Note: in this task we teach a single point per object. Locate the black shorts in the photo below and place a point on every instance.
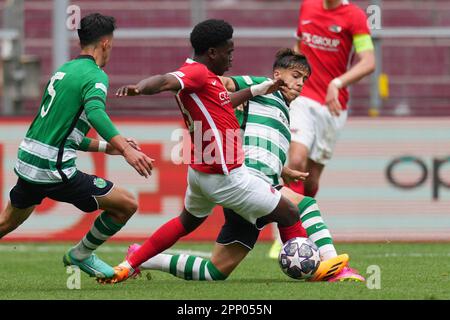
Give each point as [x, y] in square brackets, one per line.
[80, 190]
[238, 230]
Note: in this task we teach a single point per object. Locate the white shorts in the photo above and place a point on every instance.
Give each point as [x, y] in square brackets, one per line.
[313, 126]
[247, 195]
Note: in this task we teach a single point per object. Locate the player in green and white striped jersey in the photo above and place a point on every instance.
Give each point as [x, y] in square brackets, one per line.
[73, 102]
[266, 139]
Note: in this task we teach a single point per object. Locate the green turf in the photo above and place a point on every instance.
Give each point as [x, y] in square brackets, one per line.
[408, 271]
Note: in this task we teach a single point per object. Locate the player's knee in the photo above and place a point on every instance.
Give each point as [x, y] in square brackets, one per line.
[131, 205]
[311, 188]
[127, 207]
[286, 214]
[292, 215]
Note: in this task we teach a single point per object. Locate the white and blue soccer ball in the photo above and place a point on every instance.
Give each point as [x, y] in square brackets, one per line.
[299, 258]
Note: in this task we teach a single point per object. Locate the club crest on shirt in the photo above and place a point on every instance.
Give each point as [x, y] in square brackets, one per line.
[100, 183]
[335, 28]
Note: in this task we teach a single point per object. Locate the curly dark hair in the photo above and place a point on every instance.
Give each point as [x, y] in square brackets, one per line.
[95, 26]
[287, 59]
[210, 33]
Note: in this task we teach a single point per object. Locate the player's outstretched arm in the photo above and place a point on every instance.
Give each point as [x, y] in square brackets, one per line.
[228, 83]
[94, 145]
[151, 85]
[138, 160]
[269, 86]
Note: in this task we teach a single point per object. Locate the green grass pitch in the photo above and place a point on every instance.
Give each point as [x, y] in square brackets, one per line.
[408, 271]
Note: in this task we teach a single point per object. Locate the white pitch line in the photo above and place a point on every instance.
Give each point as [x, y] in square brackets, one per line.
[104, 249]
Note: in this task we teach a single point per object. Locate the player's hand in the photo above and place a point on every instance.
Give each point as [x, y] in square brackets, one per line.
[133, 142]
[138, 160]
[266, 87]
[114, 152]
[291, 93]
[129, 90]
[332, 100]
[289, 175]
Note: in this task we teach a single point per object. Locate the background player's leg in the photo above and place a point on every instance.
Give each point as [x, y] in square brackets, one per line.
[11, 218]
[311, 185]
[298, 160]
[119, 206]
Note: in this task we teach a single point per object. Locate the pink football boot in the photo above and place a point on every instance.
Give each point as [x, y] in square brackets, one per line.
[347, 274]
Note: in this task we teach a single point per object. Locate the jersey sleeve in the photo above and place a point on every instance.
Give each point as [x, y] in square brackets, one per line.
[95, 91]
[94, 102]
[243, 82]
[191, 77]
[359, 23]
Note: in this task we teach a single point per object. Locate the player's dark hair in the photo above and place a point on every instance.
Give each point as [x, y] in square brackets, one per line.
[210, 34]
[95, 26]
[288, 59]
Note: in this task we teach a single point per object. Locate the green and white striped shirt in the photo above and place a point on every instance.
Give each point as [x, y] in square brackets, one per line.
[265, 121]
[48, 152]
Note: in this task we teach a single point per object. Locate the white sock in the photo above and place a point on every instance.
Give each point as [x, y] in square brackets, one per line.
[159, 262]
[80, 251]
[327, 252]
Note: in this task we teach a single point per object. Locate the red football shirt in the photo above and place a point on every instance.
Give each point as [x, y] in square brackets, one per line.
[327, 41]
[216, 146]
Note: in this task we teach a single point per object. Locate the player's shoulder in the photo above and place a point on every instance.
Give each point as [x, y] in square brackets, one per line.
[194, 66]
[97, 75]
[247, 80]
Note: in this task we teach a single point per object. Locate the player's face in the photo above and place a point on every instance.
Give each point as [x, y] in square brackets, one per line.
[223, 57]
[294, 79]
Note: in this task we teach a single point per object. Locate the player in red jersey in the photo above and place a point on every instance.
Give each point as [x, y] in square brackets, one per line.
[328, 30]
[216, 175]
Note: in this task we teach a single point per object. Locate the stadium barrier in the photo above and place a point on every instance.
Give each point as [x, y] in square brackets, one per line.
[389, 180]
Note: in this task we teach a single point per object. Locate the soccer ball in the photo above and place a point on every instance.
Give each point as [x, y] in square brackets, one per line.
[299, 258]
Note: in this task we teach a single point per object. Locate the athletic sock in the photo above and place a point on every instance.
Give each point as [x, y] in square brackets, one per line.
[185, 267]
[102, 229]
[315, 227]
[160, 240]
[296, 230]
[298, 187]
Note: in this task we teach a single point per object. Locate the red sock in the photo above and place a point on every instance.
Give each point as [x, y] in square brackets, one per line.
[298, 187]
[161, 239]
[296, 230]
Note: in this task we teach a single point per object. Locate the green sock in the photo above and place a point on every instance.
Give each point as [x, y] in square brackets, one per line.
[103, 228]
[315, 227]
[185, 267]
[194, 268]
